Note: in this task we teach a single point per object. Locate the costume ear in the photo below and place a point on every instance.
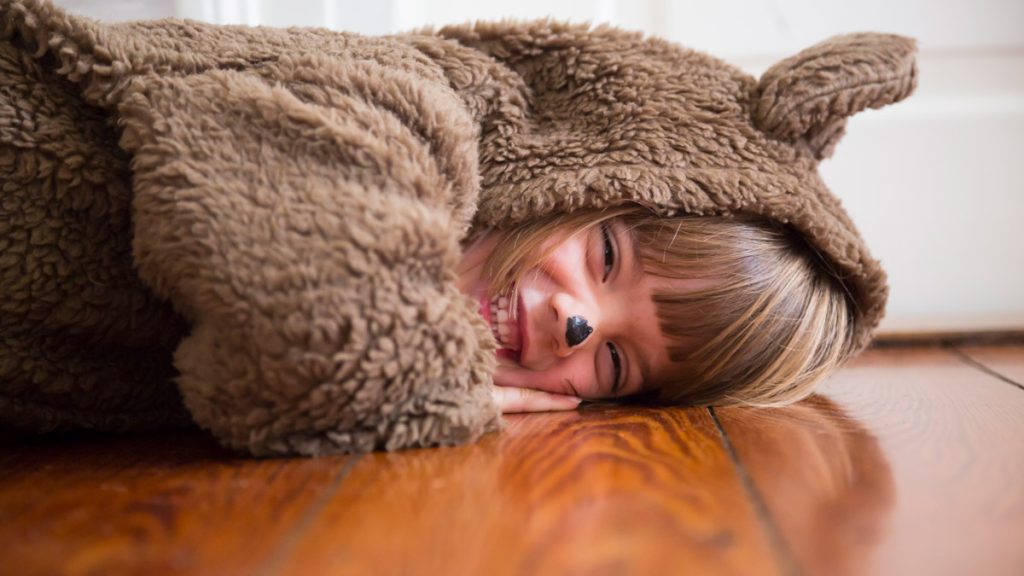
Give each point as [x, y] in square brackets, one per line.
[805, 99]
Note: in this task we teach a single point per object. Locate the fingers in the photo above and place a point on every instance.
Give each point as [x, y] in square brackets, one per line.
[511, 399]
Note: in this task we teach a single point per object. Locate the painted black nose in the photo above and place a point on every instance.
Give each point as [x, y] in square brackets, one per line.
[576, 330]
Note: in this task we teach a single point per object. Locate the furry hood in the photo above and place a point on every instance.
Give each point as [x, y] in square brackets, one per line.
[597, 116]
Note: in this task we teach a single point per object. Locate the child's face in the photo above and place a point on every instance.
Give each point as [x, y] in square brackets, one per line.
[593, 277]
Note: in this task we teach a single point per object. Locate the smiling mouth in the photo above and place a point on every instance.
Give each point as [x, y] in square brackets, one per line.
[504, 325]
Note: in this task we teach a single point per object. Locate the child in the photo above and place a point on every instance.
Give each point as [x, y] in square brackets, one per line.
[700, 310]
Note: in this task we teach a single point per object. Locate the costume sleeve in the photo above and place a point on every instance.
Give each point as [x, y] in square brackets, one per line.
[304, 216]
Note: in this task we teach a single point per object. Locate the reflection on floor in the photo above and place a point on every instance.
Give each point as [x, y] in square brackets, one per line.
[910, 461]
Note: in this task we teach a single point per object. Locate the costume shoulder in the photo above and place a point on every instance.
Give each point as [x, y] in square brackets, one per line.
[298, 196]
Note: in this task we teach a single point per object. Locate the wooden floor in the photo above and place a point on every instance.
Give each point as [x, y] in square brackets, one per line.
[911, 461]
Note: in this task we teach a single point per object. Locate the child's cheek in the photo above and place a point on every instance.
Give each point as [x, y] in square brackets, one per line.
[567, 377]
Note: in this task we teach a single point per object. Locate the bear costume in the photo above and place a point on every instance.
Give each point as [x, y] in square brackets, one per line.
[256, 229]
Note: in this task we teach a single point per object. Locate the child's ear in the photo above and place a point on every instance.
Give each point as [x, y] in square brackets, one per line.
[805, 99]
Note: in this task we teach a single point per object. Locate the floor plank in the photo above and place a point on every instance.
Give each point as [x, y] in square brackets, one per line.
[911, 462]
[1005, 361]
[167, 503]
[606, 490]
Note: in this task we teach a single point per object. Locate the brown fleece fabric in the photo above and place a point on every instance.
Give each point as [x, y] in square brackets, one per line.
[281, 209]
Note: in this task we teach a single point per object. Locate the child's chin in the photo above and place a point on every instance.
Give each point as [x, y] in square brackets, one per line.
[506, 366]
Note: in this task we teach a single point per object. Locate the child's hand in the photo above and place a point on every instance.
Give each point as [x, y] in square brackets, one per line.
[512, 399]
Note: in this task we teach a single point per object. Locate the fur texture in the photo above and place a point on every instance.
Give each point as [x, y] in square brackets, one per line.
[282, 209]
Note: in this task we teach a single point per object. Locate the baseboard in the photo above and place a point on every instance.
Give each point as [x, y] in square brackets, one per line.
[890, 339]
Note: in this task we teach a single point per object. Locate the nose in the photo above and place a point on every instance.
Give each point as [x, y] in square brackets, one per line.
[576, 330]
[576, 318]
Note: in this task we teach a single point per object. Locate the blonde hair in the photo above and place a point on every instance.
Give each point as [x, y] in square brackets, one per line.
[772, 321]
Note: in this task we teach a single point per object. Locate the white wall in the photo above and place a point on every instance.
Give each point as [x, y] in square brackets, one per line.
[936, 183]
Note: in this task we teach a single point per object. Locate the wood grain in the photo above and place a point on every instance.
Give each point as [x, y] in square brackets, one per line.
[168, 503]
[911, 463]
[606, 490]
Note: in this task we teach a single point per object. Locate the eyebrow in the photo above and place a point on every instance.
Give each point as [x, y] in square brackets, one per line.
[645, 370]
[638, 270]
[637, 273]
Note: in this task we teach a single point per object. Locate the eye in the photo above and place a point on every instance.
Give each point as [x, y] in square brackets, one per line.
[609, 251]
[617, 365]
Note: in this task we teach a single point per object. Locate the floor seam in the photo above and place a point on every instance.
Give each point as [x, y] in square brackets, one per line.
[965, 357]
[785, 558]
[275, 562]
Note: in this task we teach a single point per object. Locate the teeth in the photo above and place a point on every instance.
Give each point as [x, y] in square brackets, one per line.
[500, 318]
